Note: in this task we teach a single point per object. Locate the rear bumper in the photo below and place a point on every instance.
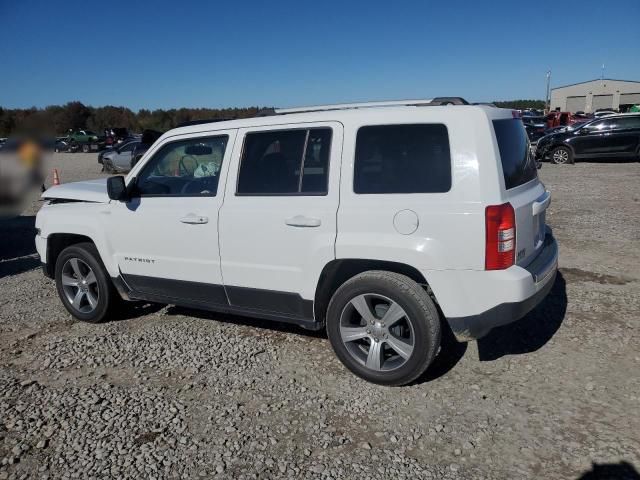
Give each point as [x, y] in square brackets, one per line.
[499, 297]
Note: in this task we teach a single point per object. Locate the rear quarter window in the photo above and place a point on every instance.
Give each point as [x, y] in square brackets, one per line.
[518, 165]
[413, 158]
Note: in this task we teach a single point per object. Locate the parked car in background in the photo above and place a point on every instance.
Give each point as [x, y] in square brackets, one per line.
[603, 113]
[535, 127]
[61, 144]
[562, 119]
[532, 112]
[116, 136]
[119, 158]
[614, 136]
[122, 158]
[84, 140]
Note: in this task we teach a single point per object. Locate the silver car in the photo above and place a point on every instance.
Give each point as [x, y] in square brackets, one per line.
[123, 157]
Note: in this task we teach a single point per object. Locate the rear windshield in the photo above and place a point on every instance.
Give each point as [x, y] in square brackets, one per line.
[518, 165]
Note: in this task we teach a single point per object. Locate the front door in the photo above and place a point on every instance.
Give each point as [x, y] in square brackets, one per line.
[278, 221]
[594, 139]
[165, 239]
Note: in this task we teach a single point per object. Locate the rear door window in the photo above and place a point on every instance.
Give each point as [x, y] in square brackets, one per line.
[626, 123]
[402, 159]
[518, 165]
[285, 162]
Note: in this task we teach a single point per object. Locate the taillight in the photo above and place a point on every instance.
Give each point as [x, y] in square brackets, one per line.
[500, 223]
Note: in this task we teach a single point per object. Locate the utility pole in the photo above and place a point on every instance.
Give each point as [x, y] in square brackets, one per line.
[548, 99]
[602, 73]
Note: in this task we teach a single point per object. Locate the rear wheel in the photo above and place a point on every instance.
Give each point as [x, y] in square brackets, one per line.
[83, 283]
[384, 327]
[561, 156]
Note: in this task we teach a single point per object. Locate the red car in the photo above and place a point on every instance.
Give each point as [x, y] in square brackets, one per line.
[562, 119]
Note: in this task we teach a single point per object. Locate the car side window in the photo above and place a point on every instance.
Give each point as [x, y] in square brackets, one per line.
[128, 147]
[412, 158]
[601, 125]
[183, 168]
[628, 123]
[285, 162]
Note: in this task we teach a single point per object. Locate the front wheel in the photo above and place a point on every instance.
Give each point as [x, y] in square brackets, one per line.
[86, 148]
[83, 284]
[383, 327]
[561, 156]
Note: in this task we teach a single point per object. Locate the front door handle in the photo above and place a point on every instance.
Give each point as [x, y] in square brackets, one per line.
[302, 221]
[194, 219]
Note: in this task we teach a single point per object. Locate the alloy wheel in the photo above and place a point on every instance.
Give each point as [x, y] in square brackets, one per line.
[80, 285]
[377, 332]
[561, 156]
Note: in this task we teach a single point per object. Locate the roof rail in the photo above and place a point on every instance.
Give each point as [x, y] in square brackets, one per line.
[387, 103]
[189, 123]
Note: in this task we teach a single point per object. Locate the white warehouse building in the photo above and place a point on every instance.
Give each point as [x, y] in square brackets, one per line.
[596, 94]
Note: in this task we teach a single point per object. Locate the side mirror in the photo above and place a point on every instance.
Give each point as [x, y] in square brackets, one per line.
[116, 189]
[583, 131]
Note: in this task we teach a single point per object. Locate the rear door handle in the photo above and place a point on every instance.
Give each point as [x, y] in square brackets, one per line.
[302, 221]
[194, 219]
[541, 203]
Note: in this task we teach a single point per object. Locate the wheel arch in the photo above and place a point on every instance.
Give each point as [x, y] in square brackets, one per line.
[338, 271]
[56, 243]
[566, 145]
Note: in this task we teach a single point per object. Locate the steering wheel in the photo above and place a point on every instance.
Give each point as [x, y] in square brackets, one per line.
[203, 186]
[182, 167]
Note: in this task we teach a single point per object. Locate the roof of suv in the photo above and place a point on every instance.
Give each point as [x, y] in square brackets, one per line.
[335, 112]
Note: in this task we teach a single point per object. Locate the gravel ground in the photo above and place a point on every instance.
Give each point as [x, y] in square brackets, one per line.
[168, 392]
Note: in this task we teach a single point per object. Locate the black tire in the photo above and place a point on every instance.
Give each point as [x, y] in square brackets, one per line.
[561, 156]
[421, 314]
[107, 297]
[86, 148]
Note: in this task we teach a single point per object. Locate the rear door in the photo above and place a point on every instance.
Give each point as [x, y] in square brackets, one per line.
[524, 191]
[595, 138]
[278, 221]
[626, 135]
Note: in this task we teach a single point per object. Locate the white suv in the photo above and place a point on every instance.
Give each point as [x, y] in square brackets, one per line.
[375, 221]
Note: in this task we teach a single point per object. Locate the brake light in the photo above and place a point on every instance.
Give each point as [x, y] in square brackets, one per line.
[500, 224]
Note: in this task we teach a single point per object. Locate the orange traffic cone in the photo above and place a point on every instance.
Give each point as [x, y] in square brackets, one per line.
[56, 177]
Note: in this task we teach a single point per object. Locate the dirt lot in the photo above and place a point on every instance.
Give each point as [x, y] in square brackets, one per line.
[169, 392]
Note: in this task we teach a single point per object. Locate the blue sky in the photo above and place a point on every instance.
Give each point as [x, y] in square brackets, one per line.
[167, 54]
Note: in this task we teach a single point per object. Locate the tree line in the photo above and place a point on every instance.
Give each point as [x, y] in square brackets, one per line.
[521, 104]
[59, 119]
